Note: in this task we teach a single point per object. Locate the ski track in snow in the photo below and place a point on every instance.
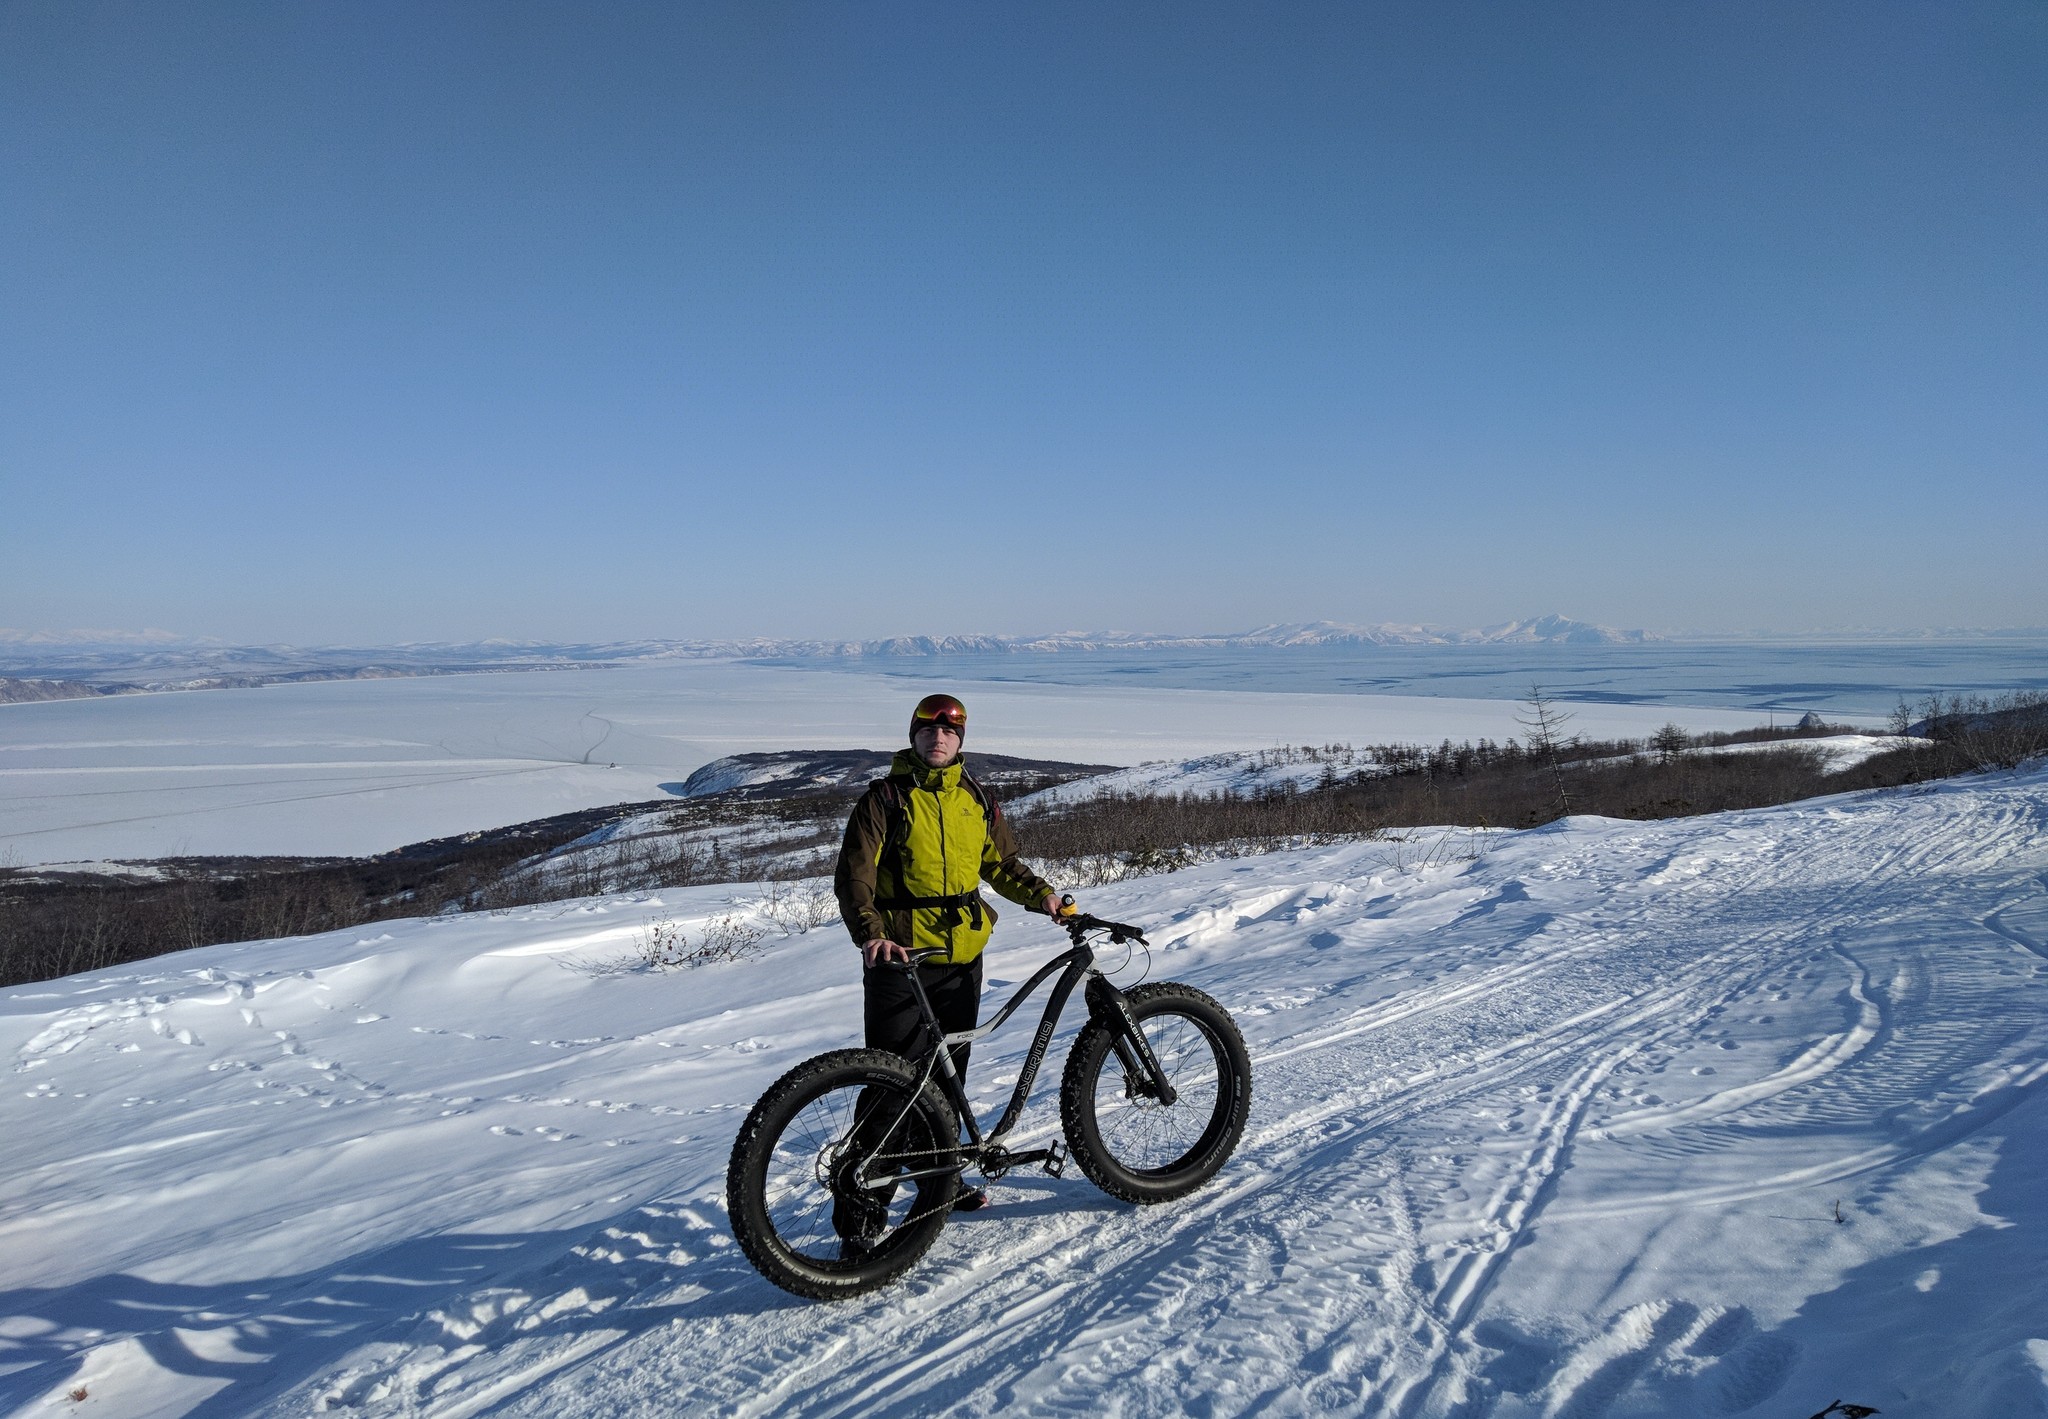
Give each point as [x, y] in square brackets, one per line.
[1470, 1082]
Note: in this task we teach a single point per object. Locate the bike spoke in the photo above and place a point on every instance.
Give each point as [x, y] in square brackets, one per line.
[1143, 1134]
[819, 1140]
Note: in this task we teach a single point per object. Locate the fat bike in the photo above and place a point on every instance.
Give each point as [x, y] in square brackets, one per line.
[847, 1168]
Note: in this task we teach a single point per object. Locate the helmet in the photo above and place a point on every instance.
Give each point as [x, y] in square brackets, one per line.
[939, 709]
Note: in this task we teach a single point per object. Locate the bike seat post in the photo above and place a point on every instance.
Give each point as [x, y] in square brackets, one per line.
[930, 1017]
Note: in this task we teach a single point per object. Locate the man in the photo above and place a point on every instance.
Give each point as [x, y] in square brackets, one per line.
[918, 847]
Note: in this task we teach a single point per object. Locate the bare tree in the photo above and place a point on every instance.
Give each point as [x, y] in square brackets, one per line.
[1545, 723]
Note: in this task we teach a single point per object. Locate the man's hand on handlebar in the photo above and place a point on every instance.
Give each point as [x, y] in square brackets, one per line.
[882, 949]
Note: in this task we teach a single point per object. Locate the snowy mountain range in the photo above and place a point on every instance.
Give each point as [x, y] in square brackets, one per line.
[1552, 629]
[101, 662]
[39, 665]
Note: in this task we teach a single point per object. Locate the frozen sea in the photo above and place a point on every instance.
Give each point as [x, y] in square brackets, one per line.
[1854, 680]
[349, 767]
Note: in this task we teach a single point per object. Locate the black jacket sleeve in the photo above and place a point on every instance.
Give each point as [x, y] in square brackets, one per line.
[853, 879]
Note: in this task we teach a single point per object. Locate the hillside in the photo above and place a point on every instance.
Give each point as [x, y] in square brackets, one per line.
[1733, 1114]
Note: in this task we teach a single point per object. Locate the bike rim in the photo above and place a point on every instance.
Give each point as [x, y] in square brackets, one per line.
[807, 1192]
[1145, 1136]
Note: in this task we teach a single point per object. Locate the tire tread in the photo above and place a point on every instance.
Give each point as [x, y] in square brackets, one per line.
[1085, 1060]
[750, 1226]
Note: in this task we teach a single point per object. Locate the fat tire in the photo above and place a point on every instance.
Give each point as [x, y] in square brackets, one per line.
[1094, 1052]
[797, 1263]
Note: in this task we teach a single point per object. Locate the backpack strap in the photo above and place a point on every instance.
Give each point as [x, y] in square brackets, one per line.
[894, 792]
[896, 807]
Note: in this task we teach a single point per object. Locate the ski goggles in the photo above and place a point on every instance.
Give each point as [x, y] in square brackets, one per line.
[942, 711]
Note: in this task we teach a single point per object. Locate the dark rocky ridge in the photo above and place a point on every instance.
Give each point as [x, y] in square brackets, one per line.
[811, 773]
[29, 692]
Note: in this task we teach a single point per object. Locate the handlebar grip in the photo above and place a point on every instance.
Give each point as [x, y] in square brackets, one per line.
[918, 956]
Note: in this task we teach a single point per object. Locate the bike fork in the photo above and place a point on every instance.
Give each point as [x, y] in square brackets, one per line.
[1109, 1005]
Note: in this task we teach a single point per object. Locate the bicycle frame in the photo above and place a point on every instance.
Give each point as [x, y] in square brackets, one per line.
[1106, 1004]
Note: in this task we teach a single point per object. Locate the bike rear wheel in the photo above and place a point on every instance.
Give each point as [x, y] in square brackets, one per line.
[817, 1187]
[1128, 1143]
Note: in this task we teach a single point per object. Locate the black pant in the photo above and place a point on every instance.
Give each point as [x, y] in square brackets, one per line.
[889, 1010]
[890, 1015]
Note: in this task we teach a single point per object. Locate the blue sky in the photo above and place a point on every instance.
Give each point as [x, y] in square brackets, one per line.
[366, 322]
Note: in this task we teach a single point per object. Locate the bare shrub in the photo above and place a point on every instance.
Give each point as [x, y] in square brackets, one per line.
[725, 938]
[1102, 869]
[650, 862]
[1110, 837]
[1106, 838]
[799, 905]
[1089, 870]
[1420, 851]
[663, 945]
[1990, 731]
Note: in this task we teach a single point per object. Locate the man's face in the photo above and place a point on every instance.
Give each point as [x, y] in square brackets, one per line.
[937, 744]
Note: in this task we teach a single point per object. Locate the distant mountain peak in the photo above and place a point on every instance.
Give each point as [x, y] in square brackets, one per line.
[1552, 627]
[165, 661]
[12, 636]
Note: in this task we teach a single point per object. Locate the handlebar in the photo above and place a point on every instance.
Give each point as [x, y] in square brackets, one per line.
[1077, 925]
[1080, 924]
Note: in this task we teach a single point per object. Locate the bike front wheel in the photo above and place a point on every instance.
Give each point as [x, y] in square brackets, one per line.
[842, 1174]
[1130, 1144]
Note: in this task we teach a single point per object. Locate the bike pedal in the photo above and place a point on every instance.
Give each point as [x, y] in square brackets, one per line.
[1055, 1160]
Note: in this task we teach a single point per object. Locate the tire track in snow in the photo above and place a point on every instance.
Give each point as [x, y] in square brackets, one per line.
[2026, 940]
[1453, 1306]
[1868, 1033]
[1820, 1059]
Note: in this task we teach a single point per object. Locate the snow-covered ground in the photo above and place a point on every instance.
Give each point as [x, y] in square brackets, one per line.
[1842, 751]
[1737, 1114]
[362, 766]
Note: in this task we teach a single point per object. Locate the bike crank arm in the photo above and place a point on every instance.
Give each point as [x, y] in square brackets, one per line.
[997, 1160]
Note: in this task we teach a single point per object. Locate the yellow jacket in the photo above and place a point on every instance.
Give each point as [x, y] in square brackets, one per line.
[918, 846]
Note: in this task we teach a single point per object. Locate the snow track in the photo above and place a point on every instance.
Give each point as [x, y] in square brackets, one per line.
[1617, 1119]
